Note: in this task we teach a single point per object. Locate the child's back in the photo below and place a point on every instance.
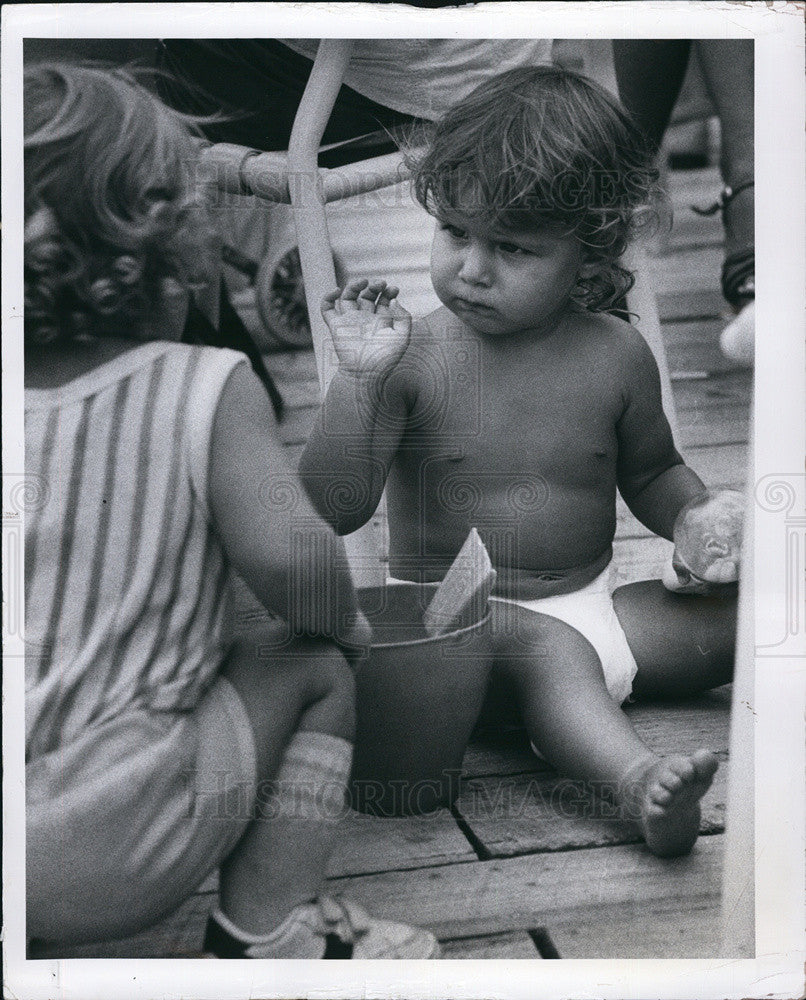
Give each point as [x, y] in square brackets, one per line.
[125, 580]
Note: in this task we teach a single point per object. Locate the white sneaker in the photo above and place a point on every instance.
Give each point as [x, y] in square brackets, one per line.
[329, 927]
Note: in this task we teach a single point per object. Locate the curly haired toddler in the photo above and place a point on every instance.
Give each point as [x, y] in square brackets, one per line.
[520, 407]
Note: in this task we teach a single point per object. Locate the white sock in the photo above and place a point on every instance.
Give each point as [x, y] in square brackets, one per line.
[312, 780]
[305, 799]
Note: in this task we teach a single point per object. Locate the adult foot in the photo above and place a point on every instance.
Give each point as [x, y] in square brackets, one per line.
[664, 795]
[738, 339]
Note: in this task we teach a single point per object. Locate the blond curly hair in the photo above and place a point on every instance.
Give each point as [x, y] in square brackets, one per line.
[112, 209]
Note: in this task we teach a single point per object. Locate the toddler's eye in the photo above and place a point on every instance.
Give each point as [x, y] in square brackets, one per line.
[512, 248]
[454, 231]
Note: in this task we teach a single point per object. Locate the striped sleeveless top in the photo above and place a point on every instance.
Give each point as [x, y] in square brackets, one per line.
[125, 579]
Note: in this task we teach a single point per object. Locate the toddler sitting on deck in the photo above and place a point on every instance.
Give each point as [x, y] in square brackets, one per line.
[158, 748]
[520, 407]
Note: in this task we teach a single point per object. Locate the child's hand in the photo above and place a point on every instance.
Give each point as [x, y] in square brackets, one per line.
[707, 543]
[370, 330]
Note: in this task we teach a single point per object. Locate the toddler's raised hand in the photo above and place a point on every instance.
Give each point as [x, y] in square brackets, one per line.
[707, 543]
[370, 330]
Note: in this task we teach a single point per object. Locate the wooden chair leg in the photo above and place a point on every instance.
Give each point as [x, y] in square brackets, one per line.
[316, 259]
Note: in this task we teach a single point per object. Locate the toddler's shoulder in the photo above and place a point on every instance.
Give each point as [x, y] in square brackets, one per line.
[621, 341]
[435, 327]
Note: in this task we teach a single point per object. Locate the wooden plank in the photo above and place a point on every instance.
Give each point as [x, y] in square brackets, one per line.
[296, 425]
[694, 346]
[730, 388]
[691, 303]
[722, 465]
[299, 393]
[686, 725]
[669, 727]
[698, 185]
[367, 844]
[692, 231]
[675, 931]
[717, 465]
[293, 452]
[640, 558]
[525, 814]
[622, 886]
[515, 945]
[501, 753]
[687, 270]
[699, 427]
[291, 365]
[487, 897]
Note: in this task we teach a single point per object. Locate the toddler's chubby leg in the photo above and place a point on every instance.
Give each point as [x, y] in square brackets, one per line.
[683, 643]
[559, 684]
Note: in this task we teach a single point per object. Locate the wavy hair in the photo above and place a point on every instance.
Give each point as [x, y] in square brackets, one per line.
[112, 215]
[543, 146]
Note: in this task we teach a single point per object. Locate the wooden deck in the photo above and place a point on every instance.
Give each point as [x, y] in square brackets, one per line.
[526, 865]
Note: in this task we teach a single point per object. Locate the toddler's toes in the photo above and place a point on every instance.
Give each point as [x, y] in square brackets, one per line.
[670, 811]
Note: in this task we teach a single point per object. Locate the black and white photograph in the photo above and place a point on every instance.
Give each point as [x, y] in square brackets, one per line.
[403, 524]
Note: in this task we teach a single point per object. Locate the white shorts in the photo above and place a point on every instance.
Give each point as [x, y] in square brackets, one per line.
[124, 823]
[590, 611]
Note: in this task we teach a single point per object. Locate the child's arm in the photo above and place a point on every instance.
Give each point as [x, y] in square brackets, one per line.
[357, 433]
[665, 494]
[289, 557]
[652, 476]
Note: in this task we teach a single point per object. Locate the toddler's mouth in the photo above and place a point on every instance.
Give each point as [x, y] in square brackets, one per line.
[471, 306]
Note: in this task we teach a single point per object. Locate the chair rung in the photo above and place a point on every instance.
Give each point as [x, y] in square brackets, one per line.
[240, 170]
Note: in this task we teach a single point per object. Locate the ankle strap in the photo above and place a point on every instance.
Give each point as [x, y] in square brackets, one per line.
[726, 196]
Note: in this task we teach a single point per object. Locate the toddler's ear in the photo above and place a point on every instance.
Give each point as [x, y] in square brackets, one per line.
[587, 269]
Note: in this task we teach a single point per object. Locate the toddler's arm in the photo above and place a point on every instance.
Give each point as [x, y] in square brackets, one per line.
[666, 495]
[289, 557]
[347, 457]
[652, 476]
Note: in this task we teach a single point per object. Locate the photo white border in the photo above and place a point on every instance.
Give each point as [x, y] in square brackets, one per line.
[780, 694]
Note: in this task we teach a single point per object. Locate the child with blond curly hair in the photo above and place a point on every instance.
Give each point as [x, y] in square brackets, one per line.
[158, 745]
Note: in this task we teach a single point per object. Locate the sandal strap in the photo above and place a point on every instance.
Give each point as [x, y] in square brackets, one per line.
[738, 276]
[726, 196]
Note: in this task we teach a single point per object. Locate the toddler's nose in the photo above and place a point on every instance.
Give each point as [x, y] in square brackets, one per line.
[475, 267]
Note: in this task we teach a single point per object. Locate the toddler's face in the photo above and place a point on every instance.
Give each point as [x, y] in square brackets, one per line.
[504, 282]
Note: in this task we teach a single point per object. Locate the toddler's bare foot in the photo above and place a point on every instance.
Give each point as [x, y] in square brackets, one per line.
[664, 795]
